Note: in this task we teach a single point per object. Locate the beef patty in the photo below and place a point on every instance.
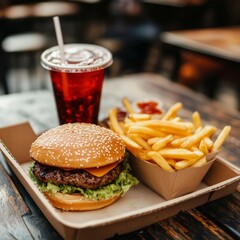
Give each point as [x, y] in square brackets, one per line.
[76, 177]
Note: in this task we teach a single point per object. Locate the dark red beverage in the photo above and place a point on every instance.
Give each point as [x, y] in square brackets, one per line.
[77, 95]
[77, 82]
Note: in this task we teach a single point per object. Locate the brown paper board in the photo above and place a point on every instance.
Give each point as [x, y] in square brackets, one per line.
[138, 208]
[18, 138]
[169, 184]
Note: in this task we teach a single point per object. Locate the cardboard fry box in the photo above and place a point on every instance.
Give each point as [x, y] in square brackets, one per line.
[138, 208]
[170, 184]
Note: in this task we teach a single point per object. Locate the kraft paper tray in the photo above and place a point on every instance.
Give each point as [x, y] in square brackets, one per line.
[138, 208]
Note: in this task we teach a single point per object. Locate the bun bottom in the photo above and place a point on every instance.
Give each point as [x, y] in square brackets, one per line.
[76, 202]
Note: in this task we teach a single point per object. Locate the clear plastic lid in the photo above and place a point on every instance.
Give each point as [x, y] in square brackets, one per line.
[79, 58]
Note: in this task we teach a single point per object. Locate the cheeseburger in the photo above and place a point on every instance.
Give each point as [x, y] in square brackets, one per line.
[80, 166]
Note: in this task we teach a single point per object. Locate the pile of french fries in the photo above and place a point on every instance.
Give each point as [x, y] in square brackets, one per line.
[171, 142]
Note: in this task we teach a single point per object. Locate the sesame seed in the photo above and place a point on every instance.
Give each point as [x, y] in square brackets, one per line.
[81, 142]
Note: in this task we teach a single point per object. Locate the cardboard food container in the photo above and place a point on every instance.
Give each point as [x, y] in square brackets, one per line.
[170, 184]
[138, 208]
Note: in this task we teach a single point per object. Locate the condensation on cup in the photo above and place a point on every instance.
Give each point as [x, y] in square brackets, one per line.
[77, 83]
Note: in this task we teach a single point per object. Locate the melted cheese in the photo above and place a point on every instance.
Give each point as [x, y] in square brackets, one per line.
[101, 171]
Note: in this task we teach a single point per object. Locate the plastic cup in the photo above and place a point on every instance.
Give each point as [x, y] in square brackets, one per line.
[77, 83]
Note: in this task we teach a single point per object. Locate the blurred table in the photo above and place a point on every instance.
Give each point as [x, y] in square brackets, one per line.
[21, 218]
[175, 3]
[219, 44]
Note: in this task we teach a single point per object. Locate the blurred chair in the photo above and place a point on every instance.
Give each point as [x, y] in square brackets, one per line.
[130, 35]
[23, 32]
[197, 70]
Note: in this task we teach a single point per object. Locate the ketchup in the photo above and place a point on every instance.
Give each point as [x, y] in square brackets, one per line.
[149, 107]
[121, 114]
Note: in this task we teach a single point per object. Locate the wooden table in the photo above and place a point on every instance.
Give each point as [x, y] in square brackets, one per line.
[221, 44]
[175, 3]
[21, 218]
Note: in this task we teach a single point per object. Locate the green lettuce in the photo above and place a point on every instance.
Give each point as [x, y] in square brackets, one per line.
[119, 186]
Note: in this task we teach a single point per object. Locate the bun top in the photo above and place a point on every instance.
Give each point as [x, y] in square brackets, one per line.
[78, 145]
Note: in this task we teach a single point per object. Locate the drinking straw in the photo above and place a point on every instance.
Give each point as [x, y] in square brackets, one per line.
[59, 37]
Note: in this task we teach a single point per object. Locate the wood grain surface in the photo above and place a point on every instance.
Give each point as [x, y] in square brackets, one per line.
[217, 42]
[20, 217]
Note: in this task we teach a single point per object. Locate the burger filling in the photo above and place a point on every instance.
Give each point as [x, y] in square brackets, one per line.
[77, 178]
[52, 179]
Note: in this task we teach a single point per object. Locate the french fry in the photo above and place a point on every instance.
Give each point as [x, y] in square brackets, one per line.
[130, 143]
[196, 120]
[203, 147]
[190, 126]
[145, 130]
[196, 138]
[172, 142]
[139, 116]
[180, 153]
[189, 162]
[208, 142]
[127, 105]
[139, 153]
[198, 129]
[160, 161]
[127, 121]
[141, 142]
[122, 125]
[176, 119]
[185, 163]
[221, 138]
[143, 136]
[171, 162]
[165, 126]
[194, 148]
[178, 141]
[162, 142]
[153, 140]
[172, 112]
[202, 161]
[114, 122]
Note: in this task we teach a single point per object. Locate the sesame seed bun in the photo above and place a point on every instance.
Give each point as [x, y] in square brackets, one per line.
[76, 202]
[78, 146]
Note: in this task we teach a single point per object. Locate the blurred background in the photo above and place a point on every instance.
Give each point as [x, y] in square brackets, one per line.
[131, 29]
